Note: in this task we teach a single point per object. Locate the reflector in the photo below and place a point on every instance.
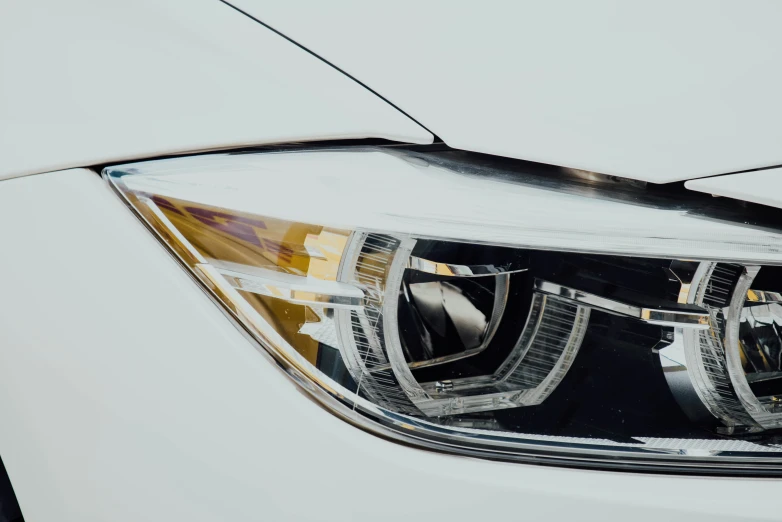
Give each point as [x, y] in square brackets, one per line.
[511, 317]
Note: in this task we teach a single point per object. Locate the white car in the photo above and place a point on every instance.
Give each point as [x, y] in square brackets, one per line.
[392, 261]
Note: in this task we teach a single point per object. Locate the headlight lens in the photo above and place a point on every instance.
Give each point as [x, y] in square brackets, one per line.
[469, 307]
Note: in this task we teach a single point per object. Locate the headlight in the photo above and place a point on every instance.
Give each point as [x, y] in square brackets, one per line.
[476, 308]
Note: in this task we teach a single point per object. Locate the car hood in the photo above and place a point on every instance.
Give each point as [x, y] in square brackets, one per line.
[655, 91]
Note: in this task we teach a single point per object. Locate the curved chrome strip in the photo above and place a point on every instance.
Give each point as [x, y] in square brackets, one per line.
[661, 316]
[293, 288]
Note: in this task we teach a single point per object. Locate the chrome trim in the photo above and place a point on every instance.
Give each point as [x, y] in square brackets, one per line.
[293, 288]
[660, 316]
[507, 447]
[452, 270]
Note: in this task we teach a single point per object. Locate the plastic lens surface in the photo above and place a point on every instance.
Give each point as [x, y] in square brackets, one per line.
[519, 320]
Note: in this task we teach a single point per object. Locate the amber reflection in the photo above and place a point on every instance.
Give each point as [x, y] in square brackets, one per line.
[296, 248]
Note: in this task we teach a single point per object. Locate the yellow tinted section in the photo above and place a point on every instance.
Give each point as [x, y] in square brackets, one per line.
[257, 242]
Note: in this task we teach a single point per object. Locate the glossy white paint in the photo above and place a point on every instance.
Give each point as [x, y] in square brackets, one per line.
[657, 91]
[126, 395]
[85, 82]
[760, 186]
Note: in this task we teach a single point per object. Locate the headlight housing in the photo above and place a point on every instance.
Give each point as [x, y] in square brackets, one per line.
[481, 307]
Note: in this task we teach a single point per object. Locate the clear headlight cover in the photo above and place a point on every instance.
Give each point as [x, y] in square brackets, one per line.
[492, 308]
